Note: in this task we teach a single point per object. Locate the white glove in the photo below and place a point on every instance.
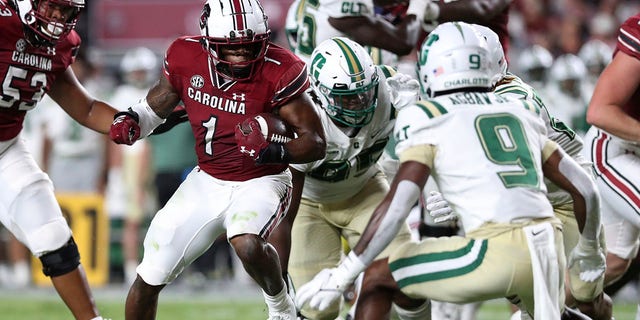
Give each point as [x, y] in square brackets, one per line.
[404, 90]
[586, 269]
[427, 12]
[438, 208]
[329, 284]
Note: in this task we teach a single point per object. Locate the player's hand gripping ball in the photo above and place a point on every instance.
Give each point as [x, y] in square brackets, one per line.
[262, 138]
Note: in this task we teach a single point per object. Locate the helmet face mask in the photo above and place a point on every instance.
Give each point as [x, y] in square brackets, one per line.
[346, 80]
[235, 35]
[353, 108]
[47, 21]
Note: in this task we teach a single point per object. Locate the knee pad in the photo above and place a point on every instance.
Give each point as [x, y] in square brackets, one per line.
[61, 261]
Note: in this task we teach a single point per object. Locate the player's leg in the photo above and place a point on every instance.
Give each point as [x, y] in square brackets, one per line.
[32, 214]
[178, 234]
[380, 289]
[594, 303]
[491, 262]
[617, 169]
[315, 245]
[49, 238]
[256, 208]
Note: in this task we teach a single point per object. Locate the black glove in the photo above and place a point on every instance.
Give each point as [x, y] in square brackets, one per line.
[178, 116]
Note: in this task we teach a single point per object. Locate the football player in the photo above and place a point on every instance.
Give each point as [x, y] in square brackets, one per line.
[591, 298]
[38, 43]
[613, 145]
[224, 77]
[489, 154]
[588, 297]
[357, 20]
[339, 193]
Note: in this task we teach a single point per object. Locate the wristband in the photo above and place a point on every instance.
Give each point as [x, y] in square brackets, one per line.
[129, 113]
[148, 119]
[274, 153]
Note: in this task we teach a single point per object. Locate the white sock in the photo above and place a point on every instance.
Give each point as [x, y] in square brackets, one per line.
[277, 302]
[423, 312]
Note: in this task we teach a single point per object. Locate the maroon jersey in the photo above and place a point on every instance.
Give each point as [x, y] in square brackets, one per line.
[26, 72]
[629, 43]
[215, 105]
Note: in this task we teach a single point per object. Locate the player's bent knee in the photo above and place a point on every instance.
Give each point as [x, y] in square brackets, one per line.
[48, 237]
[61, 261]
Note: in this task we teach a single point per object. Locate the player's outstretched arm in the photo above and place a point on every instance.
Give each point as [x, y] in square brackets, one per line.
[144, 116]
[471, 11]
[69, 93]
[569, 175]
[377, 32]
[586, 261]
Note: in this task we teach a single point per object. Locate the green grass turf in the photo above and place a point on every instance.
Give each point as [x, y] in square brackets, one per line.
[38, 307]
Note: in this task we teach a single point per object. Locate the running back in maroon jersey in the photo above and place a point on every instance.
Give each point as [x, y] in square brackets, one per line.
[215, 105]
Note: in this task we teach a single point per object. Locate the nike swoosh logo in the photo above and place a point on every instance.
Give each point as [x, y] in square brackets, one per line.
[538, 232]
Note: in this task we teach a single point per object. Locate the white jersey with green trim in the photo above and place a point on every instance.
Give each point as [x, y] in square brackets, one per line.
[487, 158]
[314, 26]
[559, 132]
[350, 162]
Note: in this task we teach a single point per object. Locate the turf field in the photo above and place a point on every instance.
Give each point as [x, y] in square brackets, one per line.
[224, 303]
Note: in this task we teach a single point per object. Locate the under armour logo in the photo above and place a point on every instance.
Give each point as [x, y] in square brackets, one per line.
[240, 96]
[251, 152]
[51, 51]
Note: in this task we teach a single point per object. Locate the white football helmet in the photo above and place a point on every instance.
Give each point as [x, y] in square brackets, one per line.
[46, 21]
[496, 52]
[568, 71]
[568, 67]
[138, 66]
[596, 55]
[346, 80]
[454, 56]
[534, 63]
[235, 24]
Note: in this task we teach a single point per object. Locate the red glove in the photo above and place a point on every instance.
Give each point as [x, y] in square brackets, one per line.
[125, 128]
[250, 140]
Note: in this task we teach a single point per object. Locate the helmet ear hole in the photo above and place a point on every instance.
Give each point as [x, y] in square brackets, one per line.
[345, 79]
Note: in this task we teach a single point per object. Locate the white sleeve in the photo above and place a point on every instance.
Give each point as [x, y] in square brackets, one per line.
[406, 195]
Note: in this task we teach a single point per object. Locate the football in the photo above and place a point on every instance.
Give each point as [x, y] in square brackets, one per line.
[274, 129]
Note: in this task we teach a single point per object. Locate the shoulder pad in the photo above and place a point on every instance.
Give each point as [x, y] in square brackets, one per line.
[432, 108]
